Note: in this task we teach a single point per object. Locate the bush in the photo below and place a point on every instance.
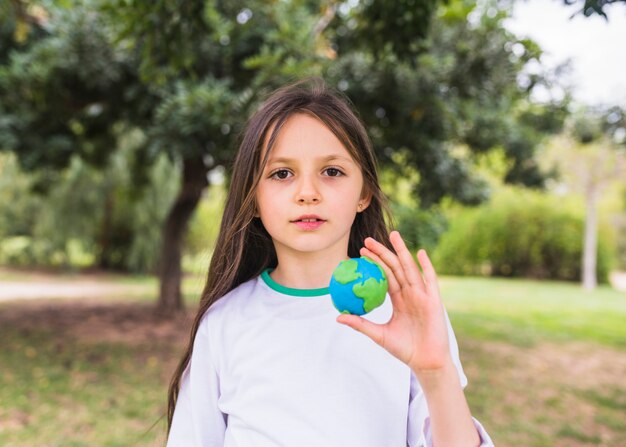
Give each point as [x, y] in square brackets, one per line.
[419, 228]
[87, 217]
[18, 206]
[205, 223]
[519, 234]
[16, 251]
[25, 251]
[620, 241]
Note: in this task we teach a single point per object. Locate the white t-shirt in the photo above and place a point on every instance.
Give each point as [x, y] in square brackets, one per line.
[271, 367]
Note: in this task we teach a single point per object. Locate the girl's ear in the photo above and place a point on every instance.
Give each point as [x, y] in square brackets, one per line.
[364, 202]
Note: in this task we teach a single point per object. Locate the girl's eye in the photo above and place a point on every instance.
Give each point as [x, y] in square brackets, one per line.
[333, 172]
[281, 174]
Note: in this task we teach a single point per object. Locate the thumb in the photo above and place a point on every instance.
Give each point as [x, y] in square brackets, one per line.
[366, 327]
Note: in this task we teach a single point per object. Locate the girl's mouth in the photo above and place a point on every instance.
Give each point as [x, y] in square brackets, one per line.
[309, 224]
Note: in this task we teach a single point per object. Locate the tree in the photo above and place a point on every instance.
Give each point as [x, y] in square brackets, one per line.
[211, 61]
[590, 155]
[66, 91]
[78, 89]
[460, 88]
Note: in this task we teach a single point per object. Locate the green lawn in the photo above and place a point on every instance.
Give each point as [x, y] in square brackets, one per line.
[55, 391]
[524, 312]
[546, 363]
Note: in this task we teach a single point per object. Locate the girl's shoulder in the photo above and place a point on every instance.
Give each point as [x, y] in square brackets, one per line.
[231, 301]
[224, 320]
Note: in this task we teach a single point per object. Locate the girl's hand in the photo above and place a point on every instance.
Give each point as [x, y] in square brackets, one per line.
[417, 332]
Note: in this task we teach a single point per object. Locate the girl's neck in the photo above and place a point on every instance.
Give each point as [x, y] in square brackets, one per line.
[309, 272]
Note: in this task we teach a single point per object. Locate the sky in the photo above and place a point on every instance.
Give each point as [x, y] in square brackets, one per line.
[597, 47]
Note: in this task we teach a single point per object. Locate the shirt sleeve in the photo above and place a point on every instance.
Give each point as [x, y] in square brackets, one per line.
[418, 429]
[197, 420]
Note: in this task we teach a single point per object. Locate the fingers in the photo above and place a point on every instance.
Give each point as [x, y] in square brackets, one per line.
[394, 287]
[374, 331]
[402, 265]
[391, 279]
[432, 286]
[388, 257]
[411, 269]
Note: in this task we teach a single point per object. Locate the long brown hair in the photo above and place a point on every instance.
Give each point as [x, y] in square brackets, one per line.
[245, 247]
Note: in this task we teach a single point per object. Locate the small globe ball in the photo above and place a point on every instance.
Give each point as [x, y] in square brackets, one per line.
[358, 286]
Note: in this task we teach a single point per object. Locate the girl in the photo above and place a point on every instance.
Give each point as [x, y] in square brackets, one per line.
[267, 364]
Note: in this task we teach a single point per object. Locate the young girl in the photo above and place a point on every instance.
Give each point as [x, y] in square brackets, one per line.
[270, 361]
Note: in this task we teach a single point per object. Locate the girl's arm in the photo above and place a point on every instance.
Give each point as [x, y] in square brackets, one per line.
[417, 334]
[197, 421]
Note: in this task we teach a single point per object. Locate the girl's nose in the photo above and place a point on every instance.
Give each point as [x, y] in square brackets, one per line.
[308, 193]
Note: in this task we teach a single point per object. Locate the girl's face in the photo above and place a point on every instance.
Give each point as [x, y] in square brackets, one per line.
[309, 175]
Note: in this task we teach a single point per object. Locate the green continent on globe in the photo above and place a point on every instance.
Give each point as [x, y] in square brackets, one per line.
[346, 272]
[372, 292]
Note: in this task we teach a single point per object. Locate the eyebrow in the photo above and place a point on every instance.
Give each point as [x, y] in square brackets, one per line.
[323, 159]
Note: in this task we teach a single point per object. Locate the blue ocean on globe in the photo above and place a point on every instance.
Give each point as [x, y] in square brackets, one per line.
[358, 286]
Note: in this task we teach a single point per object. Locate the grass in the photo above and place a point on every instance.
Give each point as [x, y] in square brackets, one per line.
[545, 362]
[58, 391]
[524, 312]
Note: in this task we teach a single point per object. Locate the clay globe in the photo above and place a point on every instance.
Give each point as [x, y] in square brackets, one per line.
[358, 286]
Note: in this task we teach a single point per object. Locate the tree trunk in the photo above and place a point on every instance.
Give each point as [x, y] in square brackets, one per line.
[194, 181]
[105, 230]
[590, 247]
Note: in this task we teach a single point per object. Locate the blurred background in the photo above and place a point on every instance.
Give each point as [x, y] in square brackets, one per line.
[500, 129]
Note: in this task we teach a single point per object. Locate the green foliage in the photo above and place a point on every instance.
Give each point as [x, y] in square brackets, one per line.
[195, 117]
[25, 251]
[205, 223]
[590, 124]
[418, 88]
[463, 90]
[147, 215]
[89, 217]
[519, 234]
[18, 207]
[205, 64]
[383, 27]
[16, 251]
[419, 228]
[65, 91]
[620, 239]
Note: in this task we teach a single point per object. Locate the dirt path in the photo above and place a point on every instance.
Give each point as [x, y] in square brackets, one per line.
[35, 285]
[21, 285]
[79, 289]
[94, 320]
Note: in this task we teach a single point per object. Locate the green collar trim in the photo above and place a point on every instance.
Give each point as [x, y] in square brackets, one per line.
[289, 290]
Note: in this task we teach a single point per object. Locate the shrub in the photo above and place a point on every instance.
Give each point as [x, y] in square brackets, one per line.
[87, 217]
[520, 234]
[25, 251]
[419, 228]
[205, 223]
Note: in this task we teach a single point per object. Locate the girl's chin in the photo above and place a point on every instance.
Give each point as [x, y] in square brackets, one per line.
[309, 249]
